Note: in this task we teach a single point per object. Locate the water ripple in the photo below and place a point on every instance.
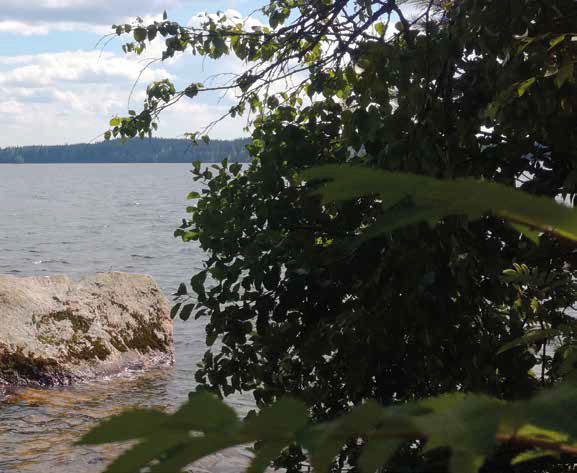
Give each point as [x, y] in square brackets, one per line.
[80, 219]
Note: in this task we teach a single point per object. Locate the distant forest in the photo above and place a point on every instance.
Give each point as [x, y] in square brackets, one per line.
[154, 150]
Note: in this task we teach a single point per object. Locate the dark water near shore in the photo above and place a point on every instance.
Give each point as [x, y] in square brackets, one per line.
[78, 219]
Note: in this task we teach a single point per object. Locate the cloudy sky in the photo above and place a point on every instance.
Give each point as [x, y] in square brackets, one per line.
[56, 87]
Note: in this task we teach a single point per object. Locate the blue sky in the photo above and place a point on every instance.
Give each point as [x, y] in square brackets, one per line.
[56, 88]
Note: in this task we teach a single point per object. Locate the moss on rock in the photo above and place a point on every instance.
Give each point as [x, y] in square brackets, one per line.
[117, 343]
[15, 366]
[145, 336]
[142, 336]
[91, 350]
[71, 331]
[79, 323]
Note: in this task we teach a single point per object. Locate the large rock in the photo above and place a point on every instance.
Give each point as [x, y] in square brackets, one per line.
[56, 331]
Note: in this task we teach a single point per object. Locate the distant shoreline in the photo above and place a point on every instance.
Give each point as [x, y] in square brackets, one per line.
[148, 151]
[122, 162]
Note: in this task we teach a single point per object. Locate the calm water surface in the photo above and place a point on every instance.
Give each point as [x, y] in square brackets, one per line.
[79, 219]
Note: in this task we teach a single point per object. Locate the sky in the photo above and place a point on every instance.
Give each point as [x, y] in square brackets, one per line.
[58, 87]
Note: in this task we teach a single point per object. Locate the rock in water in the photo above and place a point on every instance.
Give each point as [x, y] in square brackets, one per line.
[56, 331]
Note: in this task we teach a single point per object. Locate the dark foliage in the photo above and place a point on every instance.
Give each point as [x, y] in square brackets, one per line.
[294, 304]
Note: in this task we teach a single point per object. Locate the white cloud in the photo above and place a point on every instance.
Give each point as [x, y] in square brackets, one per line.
[40, 17]
[188, 116]
[228, 17]
[85, 67]
[73, 117]
[85, 11]
[69, 97]
[43, 27]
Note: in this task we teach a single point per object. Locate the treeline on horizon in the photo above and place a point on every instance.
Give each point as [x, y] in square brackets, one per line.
[153, 150]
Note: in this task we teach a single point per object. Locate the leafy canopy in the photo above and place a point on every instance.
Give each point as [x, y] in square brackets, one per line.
[443, 111]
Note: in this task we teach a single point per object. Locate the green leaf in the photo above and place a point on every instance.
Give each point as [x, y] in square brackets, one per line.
[325, 444]
[530, 455]
[412, 198]
[282, 420]
[181, 291]
[175, 310]
[210, 339]
[265, 455]
[192, 450]
[140, 34]
[442, 403]
[564, 74]
[151, 31]
[191, 91]
[466, 424]
[193, 195]
[546, 415]
[527, 232]
[139, 456]
[532, 337]
[555, 41]
[378, 452]
[197, 282]
[205, 413]
[568, 359]
[532, 431]
[361, 418]
[525, 86]
[450, 425]
[235, 168]
[465, 462]
[129, 425]
[186, 312]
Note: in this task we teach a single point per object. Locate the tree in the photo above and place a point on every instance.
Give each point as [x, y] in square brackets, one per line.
[303, 304]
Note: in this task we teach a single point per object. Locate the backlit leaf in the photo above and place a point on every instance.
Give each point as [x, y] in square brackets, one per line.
[525, 86]
[530, 455]
[377, 453]
[412, 199]
[533, 337]
[129, 425]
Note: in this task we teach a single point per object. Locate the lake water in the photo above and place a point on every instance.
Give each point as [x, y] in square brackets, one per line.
[78, 219]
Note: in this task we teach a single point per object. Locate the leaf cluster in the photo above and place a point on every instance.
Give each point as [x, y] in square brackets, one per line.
[472, 427]
[443, 114]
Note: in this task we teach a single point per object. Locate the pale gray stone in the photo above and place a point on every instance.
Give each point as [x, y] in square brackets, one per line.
[54, 330]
